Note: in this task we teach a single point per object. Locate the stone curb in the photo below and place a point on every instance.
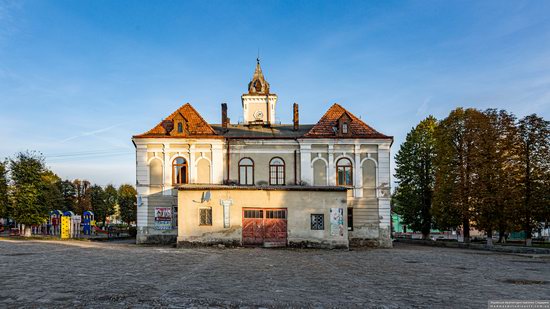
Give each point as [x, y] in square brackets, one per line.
[496, 248]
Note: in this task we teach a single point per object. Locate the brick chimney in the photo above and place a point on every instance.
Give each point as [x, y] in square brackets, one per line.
[296, 118]
[225, 120]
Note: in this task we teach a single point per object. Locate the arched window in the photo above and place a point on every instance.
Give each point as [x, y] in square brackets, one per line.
[277, 171]
[180, 127]
[179, 171]
[246, 171]
[344, 175]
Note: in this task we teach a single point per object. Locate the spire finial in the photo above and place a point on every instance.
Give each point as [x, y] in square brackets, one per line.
[258, 58]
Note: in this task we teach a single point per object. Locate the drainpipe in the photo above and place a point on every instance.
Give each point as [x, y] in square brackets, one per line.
[295, 167]
[227, 162]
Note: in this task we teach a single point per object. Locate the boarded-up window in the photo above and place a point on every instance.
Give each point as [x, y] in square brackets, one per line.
[319, 173]
[369, 178]
[155, 172]
[203, 171]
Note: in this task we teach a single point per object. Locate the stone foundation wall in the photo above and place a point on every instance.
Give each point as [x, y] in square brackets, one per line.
[375, 238]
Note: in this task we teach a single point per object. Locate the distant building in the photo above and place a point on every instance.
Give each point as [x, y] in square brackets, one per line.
[263, 183]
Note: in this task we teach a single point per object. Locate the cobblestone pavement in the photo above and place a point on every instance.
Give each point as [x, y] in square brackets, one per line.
[66, 274]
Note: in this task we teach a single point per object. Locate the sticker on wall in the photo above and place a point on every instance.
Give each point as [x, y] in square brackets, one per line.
[163, 218]
[337, 221]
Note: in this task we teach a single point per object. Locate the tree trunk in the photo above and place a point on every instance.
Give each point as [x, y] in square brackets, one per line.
[466, 230]
[27, 231]
[501, 236]
[490, 238]
[425, 236]
[528, 238]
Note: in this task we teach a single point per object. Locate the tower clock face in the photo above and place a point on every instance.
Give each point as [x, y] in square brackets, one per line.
[258, 115]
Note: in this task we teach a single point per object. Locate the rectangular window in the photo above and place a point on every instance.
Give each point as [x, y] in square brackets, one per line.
[350, 219]
[277, 175]
[344, 176]
[205, 216]
[245, 175]
[345, 128]
[254, 214]
[317, 222]
[275, 214]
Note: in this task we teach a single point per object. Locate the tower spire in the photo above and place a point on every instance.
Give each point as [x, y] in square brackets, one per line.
[258, 84]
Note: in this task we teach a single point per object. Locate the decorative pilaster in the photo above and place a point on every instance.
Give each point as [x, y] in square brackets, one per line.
[357, 173]
[217, 164]
[305, 164]
[167, 170]
[331, 170]
[192, 165]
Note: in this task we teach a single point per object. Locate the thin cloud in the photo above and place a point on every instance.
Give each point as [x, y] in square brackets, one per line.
[91, 133]
[423, 108]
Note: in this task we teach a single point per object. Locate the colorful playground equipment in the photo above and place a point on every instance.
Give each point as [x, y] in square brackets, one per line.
[87, 222]
[67, 224]
[74, 224]
[54, 224]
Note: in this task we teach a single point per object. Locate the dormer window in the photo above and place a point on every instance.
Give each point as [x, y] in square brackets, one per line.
[343, 128]
[180, 127]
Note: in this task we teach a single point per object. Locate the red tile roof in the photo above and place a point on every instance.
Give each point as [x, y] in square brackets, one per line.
[359, 129]
[197, 126]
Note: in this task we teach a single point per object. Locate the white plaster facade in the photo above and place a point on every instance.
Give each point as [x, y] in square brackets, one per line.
[309, 161]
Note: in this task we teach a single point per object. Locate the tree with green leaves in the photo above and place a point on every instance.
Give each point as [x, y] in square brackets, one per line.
[493, 177]
[27, 171]
[127, 203]
[111, 199]
[415, 175]
[534, 166]
[454, 186]
[98, 200]
[68, 191]
[4, 201]
[82, 197]
[50, 191]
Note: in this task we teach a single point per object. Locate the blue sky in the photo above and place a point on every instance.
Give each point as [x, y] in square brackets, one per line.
[79, 78]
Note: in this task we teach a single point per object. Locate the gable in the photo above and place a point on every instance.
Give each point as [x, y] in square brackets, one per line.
[330, 125]
[184, 122]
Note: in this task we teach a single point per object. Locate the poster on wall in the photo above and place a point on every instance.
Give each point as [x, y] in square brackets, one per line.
[337, 221]
[163, 218]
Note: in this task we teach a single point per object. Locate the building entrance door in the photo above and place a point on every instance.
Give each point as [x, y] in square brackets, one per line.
[267, 227]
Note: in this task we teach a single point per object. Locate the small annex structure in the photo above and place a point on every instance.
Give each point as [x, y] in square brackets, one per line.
[262, 183]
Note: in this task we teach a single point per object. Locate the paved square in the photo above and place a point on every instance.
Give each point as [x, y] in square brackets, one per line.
[66, 274]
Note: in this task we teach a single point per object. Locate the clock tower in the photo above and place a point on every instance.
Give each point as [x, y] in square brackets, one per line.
[259, 103]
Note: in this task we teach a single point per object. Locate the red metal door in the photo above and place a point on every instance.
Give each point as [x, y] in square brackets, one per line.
[266, 227]
[253, 227]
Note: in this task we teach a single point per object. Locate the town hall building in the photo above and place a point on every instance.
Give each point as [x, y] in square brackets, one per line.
[262, 183]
